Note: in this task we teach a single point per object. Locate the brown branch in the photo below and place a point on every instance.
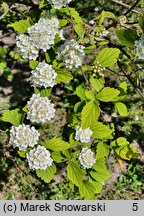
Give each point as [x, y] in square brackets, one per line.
[131, 8]
[124, 5]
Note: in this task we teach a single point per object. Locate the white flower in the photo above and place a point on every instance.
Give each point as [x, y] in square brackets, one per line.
[86, 158]
[43, 75]
[40, 109]
[43, 33]
[59, 3]
[83, 135]
[23, 136]
[39, 158]
[71, 53]
[26, 47]
[139, 45]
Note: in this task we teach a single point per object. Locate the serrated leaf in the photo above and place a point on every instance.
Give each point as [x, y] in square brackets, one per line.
[100, 131]
[57, 157]
[75, 173]
[107, 57]
[90, 95]
[63, 76]
[121, 108]
[56, 144]
[21, 26]
[107, 94]
[80, 92]
[97, 83]
[101, 173]
[87, 190]
[12, 116]
[90, 114]
[79, 30]
[98, 186]
[33, 64]
[102, 150]
[127, 37]
[75, 15]
[124, 149]
[48, 174]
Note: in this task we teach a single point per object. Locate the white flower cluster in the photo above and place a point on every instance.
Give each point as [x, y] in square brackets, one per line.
[86, 158]
[40, 109]
[39, 158]
[140, 47]
[71, 53]
[83, 135]
[43, 75]
[23, 136]
[59, 3]
[41, 35]
[26, 47]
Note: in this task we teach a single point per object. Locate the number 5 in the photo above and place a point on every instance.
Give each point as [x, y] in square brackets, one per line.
[135, 206]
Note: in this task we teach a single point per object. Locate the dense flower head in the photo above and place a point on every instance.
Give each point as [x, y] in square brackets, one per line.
[43, 75]
[26, 47]
[86, 158]
[40, 109]
[39, 158]
[44, 31]
[59, 3]
[83, 135]
[23, 136]
[71, 53]
[139, 45]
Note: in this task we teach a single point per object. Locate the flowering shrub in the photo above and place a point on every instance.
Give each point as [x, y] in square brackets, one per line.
[59, 47]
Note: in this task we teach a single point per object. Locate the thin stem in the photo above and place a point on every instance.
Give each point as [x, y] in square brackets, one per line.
[124, 5]
[131, 8]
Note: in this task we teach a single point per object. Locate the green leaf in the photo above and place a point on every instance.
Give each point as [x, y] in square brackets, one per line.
[124, 149]
[79, 106]
[107, 94]
[75, 15]
[100, 131]
[121, 108]
[48, 174]
[80, 92]
[102, 150]
[56, 144]
[107, 57]
[43, 92]
[90, 95]
[43, 3]
[57, 157]
[123, 86]
[63, 75]
[22, 154]
[105, 14]
[12, 116]
[97, 83]
[98, 186]
[79, 29]
[90, 114]
[33, 64]
[87, 190]
[21, 26]
[101, 173]
[75, 173]
[63, 22]
[2, 65]
[127, 37]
